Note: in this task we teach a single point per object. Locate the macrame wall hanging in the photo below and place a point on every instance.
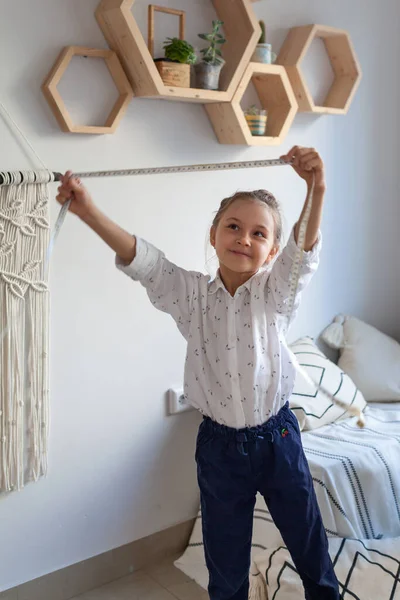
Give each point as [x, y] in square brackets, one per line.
[24, 314]
[24, 319]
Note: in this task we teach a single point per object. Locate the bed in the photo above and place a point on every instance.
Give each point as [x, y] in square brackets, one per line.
[356, 474]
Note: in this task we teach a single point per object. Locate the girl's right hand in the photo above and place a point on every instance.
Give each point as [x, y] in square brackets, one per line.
[72, 189]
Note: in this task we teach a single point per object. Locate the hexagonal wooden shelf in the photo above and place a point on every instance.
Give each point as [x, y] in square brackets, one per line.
[276, 96]
[57, 105]
[344, 63]
[122, 33]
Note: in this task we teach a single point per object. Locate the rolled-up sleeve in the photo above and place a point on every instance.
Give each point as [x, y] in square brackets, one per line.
[169, 287]
[279, 278]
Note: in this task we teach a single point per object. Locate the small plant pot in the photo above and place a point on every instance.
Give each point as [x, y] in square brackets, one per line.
[263, 54]
[257, 122]
[207, 76]
[173, 73]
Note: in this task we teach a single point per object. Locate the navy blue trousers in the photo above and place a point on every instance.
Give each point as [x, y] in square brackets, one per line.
[233, 465]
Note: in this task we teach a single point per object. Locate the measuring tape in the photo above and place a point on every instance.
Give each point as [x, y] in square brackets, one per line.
[293, 284]
[302, 231]
[250, 164]
[57, 228]
[301, 244]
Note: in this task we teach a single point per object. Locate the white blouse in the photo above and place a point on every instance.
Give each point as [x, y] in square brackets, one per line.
[238, 368]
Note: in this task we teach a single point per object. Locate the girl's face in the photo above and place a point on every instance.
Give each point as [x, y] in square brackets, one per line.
[244, 238]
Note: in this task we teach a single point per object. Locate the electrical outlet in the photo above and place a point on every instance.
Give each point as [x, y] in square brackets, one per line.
[176, 402]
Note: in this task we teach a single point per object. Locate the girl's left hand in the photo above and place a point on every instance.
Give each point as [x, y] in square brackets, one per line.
[306, 161]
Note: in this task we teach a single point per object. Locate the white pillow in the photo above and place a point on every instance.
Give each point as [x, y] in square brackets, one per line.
[312, 407]
[372, 360]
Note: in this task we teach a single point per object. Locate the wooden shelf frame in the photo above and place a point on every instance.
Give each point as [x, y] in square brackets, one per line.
[342, 56]
[242, 32]
[56, 103]
[153, 8]
[276, 96]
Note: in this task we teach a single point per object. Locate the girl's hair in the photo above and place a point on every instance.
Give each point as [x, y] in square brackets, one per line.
[256, 195]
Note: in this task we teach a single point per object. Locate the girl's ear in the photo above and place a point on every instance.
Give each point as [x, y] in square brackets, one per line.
[212, 236]
[272, 254]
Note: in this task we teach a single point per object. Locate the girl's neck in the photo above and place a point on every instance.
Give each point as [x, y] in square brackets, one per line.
[233, 280]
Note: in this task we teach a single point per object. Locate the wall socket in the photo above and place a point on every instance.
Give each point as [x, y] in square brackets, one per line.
[176, 402]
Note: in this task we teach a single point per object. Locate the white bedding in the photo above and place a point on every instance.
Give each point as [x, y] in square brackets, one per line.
[384, 405]
[356, 475]
[366, 570]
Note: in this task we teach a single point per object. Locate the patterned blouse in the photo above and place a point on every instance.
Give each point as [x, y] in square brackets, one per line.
[238, 368]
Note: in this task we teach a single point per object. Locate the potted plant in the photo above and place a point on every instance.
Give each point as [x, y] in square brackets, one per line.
[175, 67]
[256, 120]
[263, 52]
[209, 69]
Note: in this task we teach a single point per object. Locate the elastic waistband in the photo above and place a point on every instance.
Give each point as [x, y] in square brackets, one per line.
[275, 422]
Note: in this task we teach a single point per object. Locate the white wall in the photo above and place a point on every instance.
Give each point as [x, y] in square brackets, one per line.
[119, 469]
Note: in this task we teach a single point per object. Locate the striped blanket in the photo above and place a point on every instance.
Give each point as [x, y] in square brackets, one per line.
[356, 474]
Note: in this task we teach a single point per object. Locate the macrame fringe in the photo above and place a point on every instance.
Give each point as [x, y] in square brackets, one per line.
[24, 313]
[257, 589]
[333, 335]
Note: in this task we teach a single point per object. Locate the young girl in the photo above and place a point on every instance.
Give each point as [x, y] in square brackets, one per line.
[239, 374]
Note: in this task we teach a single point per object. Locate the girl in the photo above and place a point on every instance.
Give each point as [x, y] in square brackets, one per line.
[239, 374]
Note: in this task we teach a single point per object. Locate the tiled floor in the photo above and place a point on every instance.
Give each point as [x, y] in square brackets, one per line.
[160, 582]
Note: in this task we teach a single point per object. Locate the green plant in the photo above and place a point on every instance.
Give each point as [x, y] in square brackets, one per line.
[212, 54]
[179, 51]
[262, 36]
[253, 110]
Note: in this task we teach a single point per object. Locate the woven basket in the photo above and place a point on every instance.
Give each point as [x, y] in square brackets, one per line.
[173, 73]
